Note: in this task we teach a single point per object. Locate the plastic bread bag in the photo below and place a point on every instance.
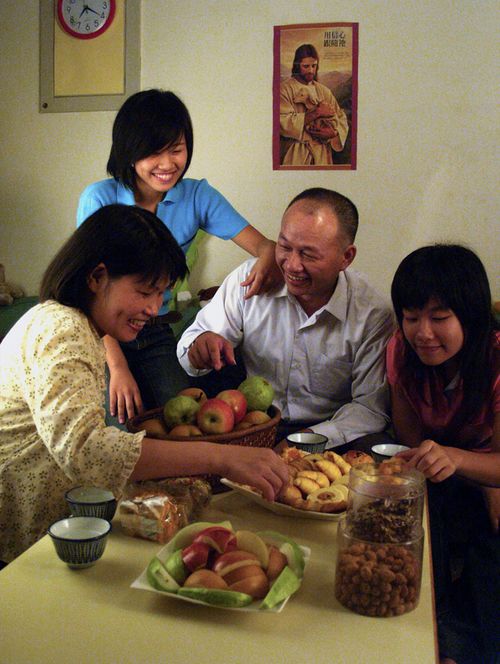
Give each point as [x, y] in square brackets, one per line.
[157, 510]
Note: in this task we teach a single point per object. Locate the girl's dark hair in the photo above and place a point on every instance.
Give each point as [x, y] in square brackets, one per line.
[304, 51]
[455, 277]
[147, 122]
[127, 239]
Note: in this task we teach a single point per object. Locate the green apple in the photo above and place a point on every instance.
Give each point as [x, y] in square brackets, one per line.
[159, 578]
[176, 568]
[180, 410]
[226, 598]
[285, 585]
[258, 392]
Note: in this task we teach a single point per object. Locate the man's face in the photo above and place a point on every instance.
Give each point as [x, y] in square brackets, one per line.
[310, 252]
[307, 69]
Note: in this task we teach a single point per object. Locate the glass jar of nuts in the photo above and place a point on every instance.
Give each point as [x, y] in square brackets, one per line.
[378, 578]
[385, 502]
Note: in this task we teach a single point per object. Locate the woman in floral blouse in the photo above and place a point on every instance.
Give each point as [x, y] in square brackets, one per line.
[108, 278]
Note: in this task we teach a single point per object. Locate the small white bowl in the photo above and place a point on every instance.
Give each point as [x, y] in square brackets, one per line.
[80, 540]
[308, 441]
[387, 450]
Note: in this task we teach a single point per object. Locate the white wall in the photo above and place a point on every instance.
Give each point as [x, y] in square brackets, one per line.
[426, 139]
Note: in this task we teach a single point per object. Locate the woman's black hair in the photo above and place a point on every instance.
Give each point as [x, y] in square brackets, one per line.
[455, 277]
[147, 122]
[127, 239]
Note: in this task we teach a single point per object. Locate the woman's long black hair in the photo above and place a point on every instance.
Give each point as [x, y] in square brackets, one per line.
[455, 277]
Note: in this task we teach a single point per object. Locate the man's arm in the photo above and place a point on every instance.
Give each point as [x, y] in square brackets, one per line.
[291, 121]
[223, 315]
[368, 411]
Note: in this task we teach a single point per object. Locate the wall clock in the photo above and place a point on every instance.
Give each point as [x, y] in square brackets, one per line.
[85, 19]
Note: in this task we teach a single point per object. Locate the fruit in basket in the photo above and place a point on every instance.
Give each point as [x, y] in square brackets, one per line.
[255, 417]
[258, 392]
[237, 401]
[154, 427]
[180, 410]
[195, 393]
[185, 430]
[215, 416]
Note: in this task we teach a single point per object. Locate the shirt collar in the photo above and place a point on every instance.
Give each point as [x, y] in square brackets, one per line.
[336, 305]
[125, 195]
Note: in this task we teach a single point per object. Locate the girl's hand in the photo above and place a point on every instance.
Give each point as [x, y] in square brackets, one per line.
[435, 461]
[265, 274]
[492, 499]
[124, 397]
[258, 467]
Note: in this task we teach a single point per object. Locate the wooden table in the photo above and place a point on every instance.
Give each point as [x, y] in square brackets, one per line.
[49, 613]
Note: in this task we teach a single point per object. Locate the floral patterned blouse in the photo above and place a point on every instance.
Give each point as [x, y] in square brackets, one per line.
[52, 430]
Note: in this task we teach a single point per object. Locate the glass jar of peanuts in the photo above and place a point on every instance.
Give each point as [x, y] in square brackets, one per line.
[378, 578]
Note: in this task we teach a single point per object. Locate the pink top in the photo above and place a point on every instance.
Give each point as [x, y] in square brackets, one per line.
[436, 417]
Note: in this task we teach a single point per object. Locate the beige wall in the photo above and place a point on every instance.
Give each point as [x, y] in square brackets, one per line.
[426, 140]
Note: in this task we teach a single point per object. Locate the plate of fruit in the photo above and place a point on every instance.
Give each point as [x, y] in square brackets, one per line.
[215, 565]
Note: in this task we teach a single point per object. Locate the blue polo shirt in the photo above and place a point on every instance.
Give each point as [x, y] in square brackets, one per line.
[189, 206]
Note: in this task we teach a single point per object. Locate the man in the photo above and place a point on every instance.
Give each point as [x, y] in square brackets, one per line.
[319, 340]
[312, 123]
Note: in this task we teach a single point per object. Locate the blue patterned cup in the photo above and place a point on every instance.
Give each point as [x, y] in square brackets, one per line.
[312, 443]
[80, 540]
[91, 501]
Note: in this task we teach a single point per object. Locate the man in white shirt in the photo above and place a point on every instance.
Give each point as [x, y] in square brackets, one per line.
[319, 340]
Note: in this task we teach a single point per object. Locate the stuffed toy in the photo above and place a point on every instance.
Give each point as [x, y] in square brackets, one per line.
[8, 291]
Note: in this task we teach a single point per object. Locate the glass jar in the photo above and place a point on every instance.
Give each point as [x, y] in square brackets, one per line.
[385, 502]
[378, 578]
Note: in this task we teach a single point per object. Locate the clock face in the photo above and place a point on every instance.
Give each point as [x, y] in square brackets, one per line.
[85, 19]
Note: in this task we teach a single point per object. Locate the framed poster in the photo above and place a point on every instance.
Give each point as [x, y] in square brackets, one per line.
[315, 93]
[89, 54]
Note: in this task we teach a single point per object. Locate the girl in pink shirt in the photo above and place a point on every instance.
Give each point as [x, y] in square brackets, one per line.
[443, 370]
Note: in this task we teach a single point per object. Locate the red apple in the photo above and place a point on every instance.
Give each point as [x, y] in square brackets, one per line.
[217, 537]
[237, 401]
[185, 430]
[256, 417]
[231, 560]
[195, 556]
[195, 393]
[215, 416]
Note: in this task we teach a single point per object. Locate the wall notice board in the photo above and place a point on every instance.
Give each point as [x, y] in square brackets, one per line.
[89, 74]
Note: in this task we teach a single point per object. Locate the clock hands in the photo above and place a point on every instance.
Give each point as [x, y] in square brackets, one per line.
[86, 9]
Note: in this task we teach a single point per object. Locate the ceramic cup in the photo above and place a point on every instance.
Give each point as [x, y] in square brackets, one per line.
[385, 451]
[309, 442]
[80, 540]
[91, 501]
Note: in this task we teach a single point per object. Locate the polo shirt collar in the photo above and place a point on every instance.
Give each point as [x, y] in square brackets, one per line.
[124, 195]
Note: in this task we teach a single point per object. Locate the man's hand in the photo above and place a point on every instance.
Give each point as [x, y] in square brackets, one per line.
[124, 397]
[436, 462]
[210, 351]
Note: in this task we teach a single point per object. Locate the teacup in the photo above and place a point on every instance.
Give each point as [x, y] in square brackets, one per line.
[80, 540]
[91, 501]
[309, 442]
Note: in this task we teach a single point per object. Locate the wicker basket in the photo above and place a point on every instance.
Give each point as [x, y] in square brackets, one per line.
[261, 435]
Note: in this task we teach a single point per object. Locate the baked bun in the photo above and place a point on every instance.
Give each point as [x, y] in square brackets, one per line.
[356, 457]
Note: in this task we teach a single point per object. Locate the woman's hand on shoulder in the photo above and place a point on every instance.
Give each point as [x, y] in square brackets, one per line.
[265, 274]
[435, 461]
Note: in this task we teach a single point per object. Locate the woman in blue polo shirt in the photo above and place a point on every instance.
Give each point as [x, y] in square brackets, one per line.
[150, 154]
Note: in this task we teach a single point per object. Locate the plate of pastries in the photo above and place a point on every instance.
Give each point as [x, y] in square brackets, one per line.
[317, 486]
